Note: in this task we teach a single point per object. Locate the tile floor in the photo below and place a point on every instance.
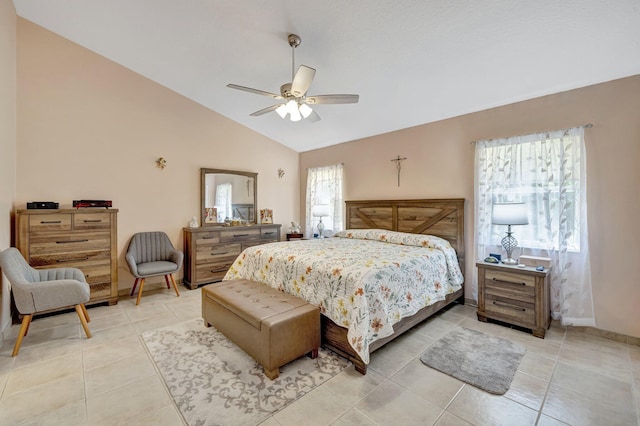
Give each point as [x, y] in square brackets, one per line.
[60, 377]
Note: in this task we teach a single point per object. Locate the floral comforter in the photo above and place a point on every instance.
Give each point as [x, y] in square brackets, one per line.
[364, 280]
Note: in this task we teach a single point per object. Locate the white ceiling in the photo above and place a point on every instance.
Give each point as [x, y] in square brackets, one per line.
[411, 61]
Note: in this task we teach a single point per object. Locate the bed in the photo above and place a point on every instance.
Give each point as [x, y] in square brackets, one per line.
[370, 281]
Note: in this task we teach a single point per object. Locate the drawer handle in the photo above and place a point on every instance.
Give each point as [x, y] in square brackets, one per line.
[269, 233]
[77, 259]
[240, 235]
[504, 305]
[213, 253]
[92, 220]
[508, 282]
[71, 241]
[208, 238]
[44, 222]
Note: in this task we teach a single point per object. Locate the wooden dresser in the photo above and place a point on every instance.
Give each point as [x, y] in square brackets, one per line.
[514, 295]
[210, 251]
[74, 238]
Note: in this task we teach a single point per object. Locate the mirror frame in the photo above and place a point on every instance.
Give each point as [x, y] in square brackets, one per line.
[205, 171]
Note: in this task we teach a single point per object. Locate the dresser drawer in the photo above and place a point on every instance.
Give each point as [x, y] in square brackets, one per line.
[70, 259]
[83, 221]
[217, 252]
[239, 235]
[213, 271]
[207, 238]
[269, 234]
[69, 243]
[50, 222]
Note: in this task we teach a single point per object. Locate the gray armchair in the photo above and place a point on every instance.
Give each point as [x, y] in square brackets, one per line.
[40, 290]
[151, 254]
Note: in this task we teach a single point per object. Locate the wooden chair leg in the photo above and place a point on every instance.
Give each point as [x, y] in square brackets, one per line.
[175, 286]
[140, 291]
[84, 311]
[83, 320]
[166, 279]
[26, 320]
[133, 289]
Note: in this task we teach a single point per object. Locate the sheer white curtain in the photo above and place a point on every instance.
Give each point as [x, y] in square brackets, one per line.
[324, 187]
[223, 201]
[547, 171]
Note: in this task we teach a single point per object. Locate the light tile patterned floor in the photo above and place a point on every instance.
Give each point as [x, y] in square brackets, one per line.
[60, 377]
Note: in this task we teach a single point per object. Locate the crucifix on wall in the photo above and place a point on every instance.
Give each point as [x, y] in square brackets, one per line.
[399, 166]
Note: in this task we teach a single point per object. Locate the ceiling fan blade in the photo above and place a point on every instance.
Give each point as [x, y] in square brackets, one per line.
[302, 80]
[313, 117]
[332, 99]
[265, 110]
[256, 91]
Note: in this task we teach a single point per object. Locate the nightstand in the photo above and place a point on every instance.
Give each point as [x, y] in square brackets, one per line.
[294, 236]
[518, 296]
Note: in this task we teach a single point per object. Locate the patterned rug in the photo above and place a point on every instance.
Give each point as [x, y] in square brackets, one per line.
[214, 382]
[484, 361]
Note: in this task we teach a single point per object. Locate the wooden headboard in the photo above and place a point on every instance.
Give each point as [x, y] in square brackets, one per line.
[443, 218]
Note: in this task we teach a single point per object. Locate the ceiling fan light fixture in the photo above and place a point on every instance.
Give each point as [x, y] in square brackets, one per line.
[282, 111]
[305, 110]
[295, 116]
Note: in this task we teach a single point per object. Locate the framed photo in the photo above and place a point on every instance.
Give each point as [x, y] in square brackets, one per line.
[210, 215]
[266, 216]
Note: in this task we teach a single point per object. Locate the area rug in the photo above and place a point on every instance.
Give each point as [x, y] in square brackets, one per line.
[214, 382]
[484, 361]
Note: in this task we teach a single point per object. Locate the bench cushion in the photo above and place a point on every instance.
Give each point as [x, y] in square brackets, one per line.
[252, 301]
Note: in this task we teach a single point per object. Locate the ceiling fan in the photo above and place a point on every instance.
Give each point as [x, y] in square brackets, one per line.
[293, 97]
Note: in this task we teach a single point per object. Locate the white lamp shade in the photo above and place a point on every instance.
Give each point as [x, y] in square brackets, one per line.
[509, 214]
[320, 210]
[305, 110]
[282, 111]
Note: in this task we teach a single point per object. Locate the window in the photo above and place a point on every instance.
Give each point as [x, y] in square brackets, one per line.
[324, 194]
[547, 172]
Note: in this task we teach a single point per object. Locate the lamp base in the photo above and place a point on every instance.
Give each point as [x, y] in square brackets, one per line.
[510, 261]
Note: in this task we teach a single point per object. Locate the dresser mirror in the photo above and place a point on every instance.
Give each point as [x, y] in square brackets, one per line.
[227, 196]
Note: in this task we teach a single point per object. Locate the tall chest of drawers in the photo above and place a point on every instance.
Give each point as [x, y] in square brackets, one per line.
[73, 238]
[209, 252]
[514, 295]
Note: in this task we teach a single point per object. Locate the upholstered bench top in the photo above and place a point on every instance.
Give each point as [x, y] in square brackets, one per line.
[252, 301]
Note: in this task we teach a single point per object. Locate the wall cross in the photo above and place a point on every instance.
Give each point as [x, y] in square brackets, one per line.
[399, 166]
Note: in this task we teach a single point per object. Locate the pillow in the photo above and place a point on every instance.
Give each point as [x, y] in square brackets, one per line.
[394, 237]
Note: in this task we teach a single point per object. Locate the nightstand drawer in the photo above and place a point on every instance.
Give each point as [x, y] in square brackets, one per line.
[521, 311]
[510, 278]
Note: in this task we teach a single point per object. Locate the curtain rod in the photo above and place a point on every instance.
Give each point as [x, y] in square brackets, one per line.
[586, 126]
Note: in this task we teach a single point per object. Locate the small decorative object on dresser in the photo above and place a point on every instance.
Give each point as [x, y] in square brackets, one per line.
[210, 251]
[514, 295]
[266, 216]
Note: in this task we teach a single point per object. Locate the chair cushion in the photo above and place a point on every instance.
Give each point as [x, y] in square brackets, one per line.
[161, 267]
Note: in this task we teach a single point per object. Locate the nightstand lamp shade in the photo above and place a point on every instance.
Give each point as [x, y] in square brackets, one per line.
[320, 210]
[509, 214]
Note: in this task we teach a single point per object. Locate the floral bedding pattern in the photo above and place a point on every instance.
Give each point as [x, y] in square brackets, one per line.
[364, 280]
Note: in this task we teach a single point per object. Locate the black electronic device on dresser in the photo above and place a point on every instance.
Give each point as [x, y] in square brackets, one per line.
[92, 203]
[49, 205]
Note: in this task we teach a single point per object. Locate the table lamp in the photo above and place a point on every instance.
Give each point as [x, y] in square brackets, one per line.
[509, 214]
[320, 210]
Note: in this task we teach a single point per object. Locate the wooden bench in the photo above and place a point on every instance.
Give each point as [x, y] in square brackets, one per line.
[272, 327]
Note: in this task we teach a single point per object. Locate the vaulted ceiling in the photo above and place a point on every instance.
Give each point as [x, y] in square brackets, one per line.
[411, 61]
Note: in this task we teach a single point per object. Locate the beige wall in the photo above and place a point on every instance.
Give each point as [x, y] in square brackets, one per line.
[7, 139]
[91, 129]
[440, 164]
